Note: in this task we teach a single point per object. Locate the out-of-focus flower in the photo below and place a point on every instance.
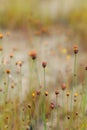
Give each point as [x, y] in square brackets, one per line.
[29, 106]
[38, 92]
[46, 93]
[64, 50]
[52, 106]
[67, 94]
[33, 94]
[68, 57]
[75, 95]
[75, 48]
[1, 49]
[1, 35]
[8, 71]
[56, 91]
[86, 68]
[11, 55]
[0, 89]
[63, 86]
[44, 64]
[33, 54]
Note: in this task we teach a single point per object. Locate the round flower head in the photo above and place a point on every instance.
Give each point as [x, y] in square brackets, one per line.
[44, 64]
[76, 113]
[86, 68]
[20, 63]
[1, 36]
[46, 93]
[67, 94]
[11, 55]
[8, 71]
[1, 49]
[29, 106]
[75, 48]
[33, 94]
[63, 86]
[38, 92]
[75, 95]
[68, 117]
[56, 91]
[33, 54]
[0, 89]
[52, 106]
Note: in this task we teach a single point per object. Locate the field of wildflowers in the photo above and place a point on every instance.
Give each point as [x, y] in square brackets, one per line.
[60, 105]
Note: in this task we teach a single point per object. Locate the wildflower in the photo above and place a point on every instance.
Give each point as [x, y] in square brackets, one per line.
[75, 48]
[6, 126]
[52, 106]
[20, 63]
[38, 92]
[0, 89]
[33, 54]
[75, 95]
[33, 95]
[44, 64]
[11, 55]
[56, 91]
[76, 113]
[67, 94]
[46, 93]
[1, 49]
[12, 85]
[1, 35]
[68, 117]
[8, 71]
[63, 86]
[86, 68]
[29, 106]
[64, 51]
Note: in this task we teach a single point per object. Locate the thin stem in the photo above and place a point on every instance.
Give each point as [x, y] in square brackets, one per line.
[37, 73]
[57, 111]
[44, 113]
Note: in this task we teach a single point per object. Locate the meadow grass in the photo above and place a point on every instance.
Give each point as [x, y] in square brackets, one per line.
[36, 111]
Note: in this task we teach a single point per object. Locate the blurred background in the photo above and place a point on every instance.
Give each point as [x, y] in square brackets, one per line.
[18, 12]
[23, 14]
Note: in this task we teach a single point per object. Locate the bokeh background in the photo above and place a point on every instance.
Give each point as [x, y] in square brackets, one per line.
[20, 14]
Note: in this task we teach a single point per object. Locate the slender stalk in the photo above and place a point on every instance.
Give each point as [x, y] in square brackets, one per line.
[44, 107]
[52, 120]
[37, 72]
[57, 112]
[74, 85]
[84, 100]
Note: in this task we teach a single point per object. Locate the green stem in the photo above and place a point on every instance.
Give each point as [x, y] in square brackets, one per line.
[44, 112]
[57, 112]
[37, 73]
